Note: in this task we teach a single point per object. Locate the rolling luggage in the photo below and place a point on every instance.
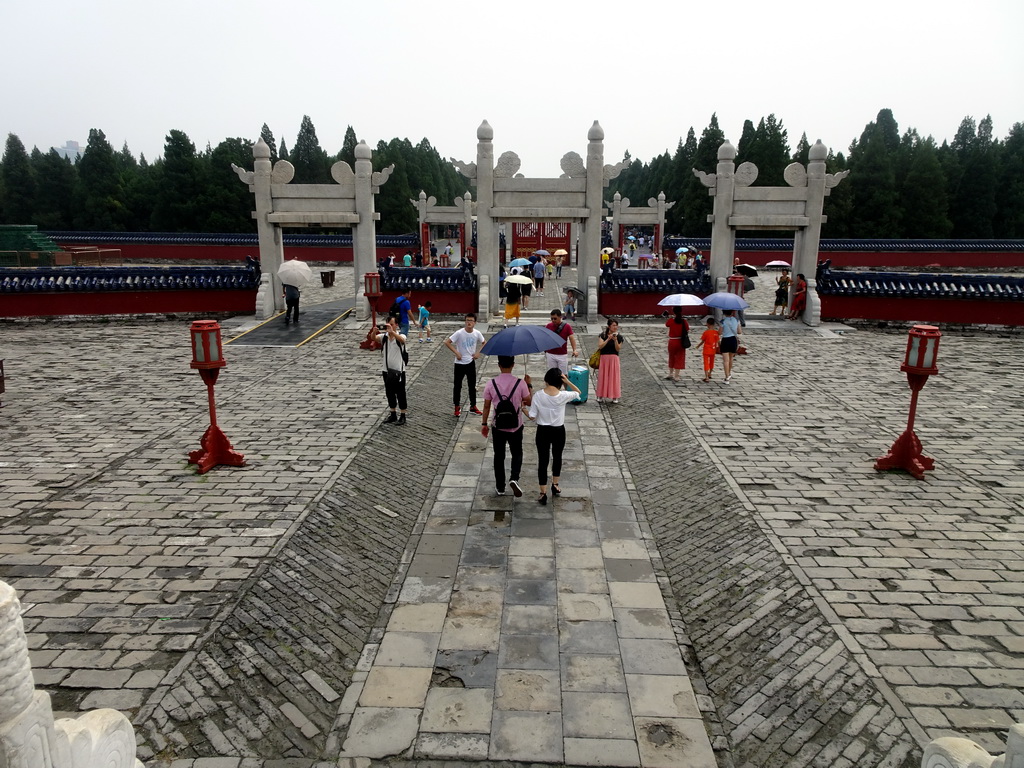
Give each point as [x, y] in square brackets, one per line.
[580, 376]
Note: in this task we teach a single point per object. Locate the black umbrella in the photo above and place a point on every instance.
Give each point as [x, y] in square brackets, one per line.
[746, 269]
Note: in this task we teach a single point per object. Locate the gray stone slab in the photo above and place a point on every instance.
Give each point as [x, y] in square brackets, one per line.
[670, 743]
[407, 649]
[528, 652]
[530, 592]
[582, 672]
[378, 732]
[529, 620]
[528, 690]
[588, 637]
[457, 710]
[471, 668]
[651, 657]
[453, 746]
[610, 752]
[526, 737]
[596, 715]
[629, 570]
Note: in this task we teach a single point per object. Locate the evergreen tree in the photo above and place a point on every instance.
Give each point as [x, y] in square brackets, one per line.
[745, 146]
[682, 162]
[284, 152]
[974, 201]
[268, 139]
[397, 216]
[19, 183]
[838, 204]
[226, 204]
[875, 209]
[1009, 219]
[802, 153]
[177, 206]
[923, 195]
[56, 179]
[99, 197]
[310, 161]
[348, 147]
[697, 204]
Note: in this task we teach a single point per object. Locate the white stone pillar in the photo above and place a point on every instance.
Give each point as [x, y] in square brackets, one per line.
[722, 235]
[467, 210]
[806, 257]
[364, 234]
[486, 228]
[589, 258]
[616, 213]
[269, 235]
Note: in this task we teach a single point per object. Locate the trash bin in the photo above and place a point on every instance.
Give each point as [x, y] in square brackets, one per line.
[327, 278]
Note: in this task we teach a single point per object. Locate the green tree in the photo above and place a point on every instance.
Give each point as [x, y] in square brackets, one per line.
[681, 173]
[268, 139]
[1009, 219]
[697, 204]
[974, 198]
[875, 211]
[227, 203]
[310, 161]
[177, 206]
[838, 204]
[284, 152]
[923, 195]
[348, 147]
[99, 198]
[56, 178]
[802, 153]
[19, 183]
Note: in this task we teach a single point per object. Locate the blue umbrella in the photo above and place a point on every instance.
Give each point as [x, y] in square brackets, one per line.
[522, 340]
[519, 263]
[684, 249]
[725, 300]
[541, 252]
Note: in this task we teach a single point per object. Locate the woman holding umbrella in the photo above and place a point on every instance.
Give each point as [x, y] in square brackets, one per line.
[678, 341]
[609, 379]
[730, 342]
[782, 292]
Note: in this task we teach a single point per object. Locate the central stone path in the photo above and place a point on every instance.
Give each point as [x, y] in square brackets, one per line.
[528, 632]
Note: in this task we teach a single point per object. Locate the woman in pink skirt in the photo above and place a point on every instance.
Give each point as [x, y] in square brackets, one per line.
[609, 380]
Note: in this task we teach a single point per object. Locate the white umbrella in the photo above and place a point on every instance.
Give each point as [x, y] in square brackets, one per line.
[681, 300]
[295, 273]
[561, 252]
[778, 263]
[522, 279]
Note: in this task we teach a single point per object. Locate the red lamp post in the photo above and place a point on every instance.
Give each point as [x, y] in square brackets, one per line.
[734, 284]
[208, 359]
[922, 352]
[371, 288]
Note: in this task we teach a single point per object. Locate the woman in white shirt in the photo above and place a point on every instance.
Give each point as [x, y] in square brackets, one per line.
[548, 410]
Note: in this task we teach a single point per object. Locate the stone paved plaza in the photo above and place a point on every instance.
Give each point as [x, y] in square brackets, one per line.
[726, 580]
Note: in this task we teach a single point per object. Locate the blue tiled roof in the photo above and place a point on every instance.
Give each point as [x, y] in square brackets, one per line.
[655, 280]
[226, 238]
[884, 246]
[920, 285]
[127, 278]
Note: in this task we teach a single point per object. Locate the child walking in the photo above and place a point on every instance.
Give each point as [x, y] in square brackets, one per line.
[709, 342]
[424, 321]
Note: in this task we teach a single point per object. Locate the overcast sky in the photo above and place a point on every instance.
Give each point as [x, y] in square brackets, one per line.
[539, 71]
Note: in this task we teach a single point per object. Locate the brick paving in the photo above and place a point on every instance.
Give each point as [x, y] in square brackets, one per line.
[827, 614]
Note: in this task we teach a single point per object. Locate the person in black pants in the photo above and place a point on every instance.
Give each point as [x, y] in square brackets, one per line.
[393, 370]
[291, 303]
[501, 387]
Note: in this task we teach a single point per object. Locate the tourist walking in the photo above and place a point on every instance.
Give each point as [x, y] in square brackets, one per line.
[729, 342]
[393, 364]
[424, 321]
[558, 266]
[559, 356]
[465, 343]
[609, 380]
[799, 298]
[402, 309]
[678, 342]
[513, 297]
[539, 270]
[508, 394]
[782, 293]
[291, 303]
[709, 347]
[547, 408]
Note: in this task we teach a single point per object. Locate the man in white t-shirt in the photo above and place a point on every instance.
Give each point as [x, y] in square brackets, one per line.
[465, 344]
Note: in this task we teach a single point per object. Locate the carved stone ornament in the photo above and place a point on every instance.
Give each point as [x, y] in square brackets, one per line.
[795, 175]
[572, 165]
[102, 738]
[466, 169]
[624, 204]
[833, 179]
[709, 180]
[507, 165]
[247, 177]
[380, 178]
[283, 172]
[613, 171]
[954, 752]
[342, 173]
[746, 174]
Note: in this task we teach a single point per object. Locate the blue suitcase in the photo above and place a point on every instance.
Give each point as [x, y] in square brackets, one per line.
[580, 376]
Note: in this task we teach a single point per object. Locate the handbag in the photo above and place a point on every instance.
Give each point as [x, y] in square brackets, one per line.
[393, 376]
[595, 359]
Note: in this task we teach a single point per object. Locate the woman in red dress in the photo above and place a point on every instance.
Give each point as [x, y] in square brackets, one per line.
[799, 298]
[678, 341]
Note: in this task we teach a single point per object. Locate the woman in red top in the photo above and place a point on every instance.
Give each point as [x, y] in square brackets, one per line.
[799, 298]
[678, 341]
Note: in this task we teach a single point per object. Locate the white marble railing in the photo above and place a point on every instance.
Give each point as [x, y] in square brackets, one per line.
[29, 736]
[104, 738]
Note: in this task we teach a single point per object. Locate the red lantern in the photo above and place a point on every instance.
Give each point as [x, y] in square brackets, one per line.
[920, 363]
[208, 359]
[734, 284]
[371, 289]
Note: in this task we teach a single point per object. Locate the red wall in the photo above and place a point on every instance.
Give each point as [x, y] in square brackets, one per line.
[126, 303]
[443, 302]
[612, 304]
[922, 310]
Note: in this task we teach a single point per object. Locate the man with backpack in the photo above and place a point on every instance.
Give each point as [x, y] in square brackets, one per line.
[402, 309]
[508, 394]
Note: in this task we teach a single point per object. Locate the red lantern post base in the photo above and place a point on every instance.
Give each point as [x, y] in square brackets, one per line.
[216, 449]
[906, 453]
[371, 340]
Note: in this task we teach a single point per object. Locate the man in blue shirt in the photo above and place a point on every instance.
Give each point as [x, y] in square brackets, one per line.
[405, 315]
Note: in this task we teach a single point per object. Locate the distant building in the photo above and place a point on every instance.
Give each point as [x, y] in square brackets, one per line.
[70, 150]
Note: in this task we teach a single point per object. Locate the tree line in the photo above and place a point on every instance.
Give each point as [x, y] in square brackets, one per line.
[900, 185]
[186, 190]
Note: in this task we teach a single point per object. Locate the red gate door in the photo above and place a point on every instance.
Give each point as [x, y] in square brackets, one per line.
[530, 236]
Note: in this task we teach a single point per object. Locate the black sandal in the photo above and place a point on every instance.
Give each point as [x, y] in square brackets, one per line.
[543, 499]
[555, 490]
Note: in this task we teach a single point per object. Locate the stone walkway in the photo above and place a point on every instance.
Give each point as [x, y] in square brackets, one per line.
[808, 609]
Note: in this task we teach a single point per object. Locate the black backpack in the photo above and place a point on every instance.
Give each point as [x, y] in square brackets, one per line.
[505, 415]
